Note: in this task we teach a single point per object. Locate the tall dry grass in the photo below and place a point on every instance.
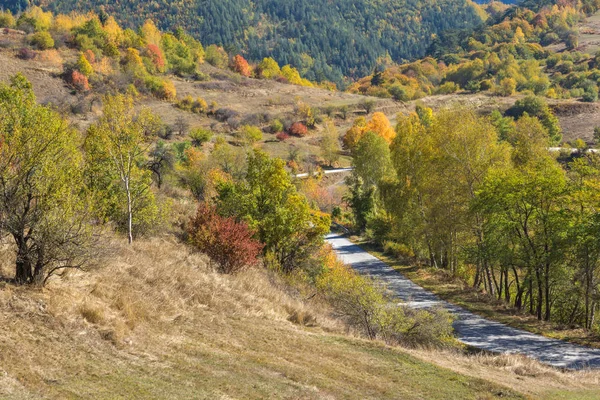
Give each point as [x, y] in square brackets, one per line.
[157, 283]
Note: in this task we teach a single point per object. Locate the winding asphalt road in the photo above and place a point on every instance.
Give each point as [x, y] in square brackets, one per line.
[471, 329]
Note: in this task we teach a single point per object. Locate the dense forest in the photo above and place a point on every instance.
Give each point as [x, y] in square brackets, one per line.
[323, 42]
[515, 51]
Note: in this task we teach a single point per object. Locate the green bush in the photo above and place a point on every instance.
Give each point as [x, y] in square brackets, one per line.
[397, 250]
[42, 40]
[200, 136]
[365, 305]
[276, 126]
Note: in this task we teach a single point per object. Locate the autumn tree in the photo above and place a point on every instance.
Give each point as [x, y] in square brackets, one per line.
[43, 203]
[330, 144]
[268, 69]
[354, 134]
[380, 124]
[241, 66]
[84, 66]
[269, 202]
[116, 147]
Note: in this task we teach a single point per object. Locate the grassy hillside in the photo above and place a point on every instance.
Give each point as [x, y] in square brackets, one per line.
[154, 321]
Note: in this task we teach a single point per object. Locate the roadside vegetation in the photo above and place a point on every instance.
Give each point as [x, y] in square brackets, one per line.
[482, 199]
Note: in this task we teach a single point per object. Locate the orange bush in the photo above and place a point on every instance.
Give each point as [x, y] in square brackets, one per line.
[241, 66]
[80, 81]
[298, 129]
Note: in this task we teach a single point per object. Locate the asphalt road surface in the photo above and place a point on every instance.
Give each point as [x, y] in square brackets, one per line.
[470, 329]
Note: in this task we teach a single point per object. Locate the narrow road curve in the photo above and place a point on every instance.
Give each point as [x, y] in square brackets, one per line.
[471, 329]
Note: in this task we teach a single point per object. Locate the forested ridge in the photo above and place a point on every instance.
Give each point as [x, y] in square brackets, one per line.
[518, 49]
[326, 41]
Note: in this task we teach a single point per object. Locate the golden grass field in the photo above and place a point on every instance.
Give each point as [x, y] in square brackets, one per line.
[155, 321]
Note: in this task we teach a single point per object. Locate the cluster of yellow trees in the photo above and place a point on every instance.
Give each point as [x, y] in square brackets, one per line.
[483, 198]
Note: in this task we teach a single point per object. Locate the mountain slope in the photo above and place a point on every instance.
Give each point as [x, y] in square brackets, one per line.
[325, 40]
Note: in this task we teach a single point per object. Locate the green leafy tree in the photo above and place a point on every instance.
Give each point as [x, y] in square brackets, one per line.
[269, 202]
[43, 204]
[537, 107]
[116, 147]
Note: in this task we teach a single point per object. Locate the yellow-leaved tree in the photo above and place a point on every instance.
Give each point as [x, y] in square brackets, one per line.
[116, 148]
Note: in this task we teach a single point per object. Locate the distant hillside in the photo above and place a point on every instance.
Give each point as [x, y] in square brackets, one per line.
[325, 42]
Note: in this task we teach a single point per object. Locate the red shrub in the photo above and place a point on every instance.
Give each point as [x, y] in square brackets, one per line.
[80, 81]
[225, 241]
[157, 57]
[90, 56]
[298, 129]
[282, 136]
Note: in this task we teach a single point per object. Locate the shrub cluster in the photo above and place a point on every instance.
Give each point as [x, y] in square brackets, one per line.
[366, 306]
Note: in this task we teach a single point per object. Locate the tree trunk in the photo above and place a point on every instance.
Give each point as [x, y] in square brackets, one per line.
[519, 294]
[540, 299]
[547, 292]
[38, 272]
[23, 263]
[129, 212]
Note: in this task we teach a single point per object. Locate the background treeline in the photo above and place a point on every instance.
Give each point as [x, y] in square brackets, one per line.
[508, 54]
[324, 41]
[484, 199]
[115, 59]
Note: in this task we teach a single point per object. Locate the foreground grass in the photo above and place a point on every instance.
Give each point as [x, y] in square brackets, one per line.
[456, 291]
[157, 322]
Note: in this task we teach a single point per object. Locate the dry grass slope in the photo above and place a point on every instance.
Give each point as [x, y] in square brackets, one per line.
[154, 321]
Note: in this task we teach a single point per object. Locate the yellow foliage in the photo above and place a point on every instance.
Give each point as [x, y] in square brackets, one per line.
[43, 20]
[292, 75]
[63, 23]
[150, 33]
[113, 31]
[169, 91]
[353, 135]
[104, 66]
[381, 125]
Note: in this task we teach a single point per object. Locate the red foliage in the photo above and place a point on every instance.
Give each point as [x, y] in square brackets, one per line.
[157, 57]
[91, 57]
[225, 241]
[298, 129]
[282, 136]
[80, 81]
[241, 66]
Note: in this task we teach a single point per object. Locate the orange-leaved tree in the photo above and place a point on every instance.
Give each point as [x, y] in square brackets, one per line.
[241, 66]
